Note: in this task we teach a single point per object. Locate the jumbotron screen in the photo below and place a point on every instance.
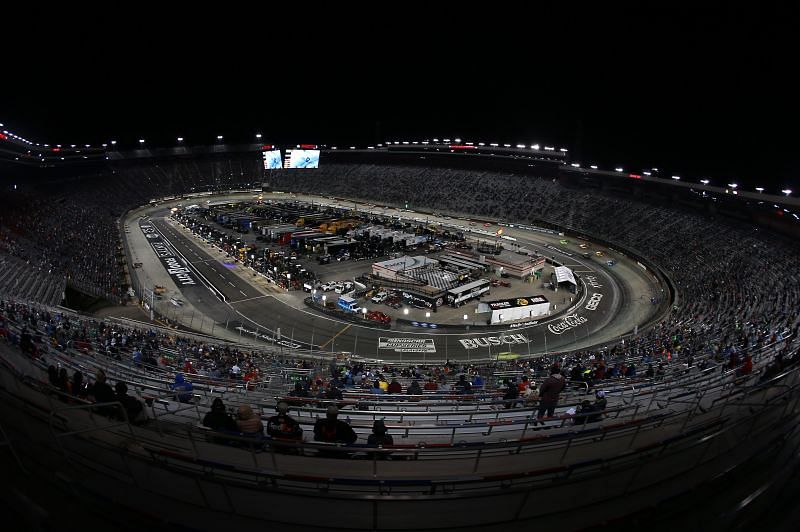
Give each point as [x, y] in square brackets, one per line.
[272, 160]
[302, 158]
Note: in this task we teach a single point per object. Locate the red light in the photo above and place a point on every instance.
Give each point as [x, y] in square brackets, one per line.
[779, 212]
[308, 146]
[56, 149]
[2, 136]
[462, 147]
[266, 147]
[634, 176]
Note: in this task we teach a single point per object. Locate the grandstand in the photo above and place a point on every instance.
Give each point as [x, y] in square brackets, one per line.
[723, 396]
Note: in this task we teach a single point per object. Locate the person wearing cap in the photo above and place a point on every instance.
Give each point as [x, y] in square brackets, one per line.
[281, 425]
[599, 406]
[332, 430]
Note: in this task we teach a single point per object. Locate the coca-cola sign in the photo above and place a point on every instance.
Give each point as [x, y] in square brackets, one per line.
[568, 322]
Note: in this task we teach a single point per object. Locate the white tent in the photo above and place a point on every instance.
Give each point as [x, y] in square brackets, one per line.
[565, 275]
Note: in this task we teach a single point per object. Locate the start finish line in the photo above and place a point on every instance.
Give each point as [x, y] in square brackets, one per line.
[407, 345]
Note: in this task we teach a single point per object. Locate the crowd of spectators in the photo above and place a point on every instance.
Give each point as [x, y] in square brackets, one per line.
[737, 286]
[736, 283]
[69, 230]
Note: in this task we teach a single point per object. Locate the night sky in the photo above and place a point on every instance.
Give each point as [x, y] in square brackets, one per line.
[700, 92]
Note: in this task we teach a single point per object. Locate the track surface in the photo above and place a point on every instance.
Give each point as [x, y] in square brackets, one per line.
[301, 328]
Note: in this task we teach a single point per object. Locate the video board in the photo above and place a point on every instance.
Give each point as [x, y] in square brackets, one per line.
[272, 160]
[302, 158]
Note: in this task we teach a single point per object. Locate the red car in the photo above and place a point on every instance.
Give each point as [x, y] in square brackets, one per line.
[378, 316]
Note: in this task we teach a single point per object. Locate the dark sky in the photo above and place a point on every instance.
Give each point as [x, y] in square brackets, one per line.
[703, 92]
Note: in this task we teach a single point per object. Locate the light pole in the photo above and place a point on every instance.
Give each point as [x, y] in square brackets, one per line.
[313, 330]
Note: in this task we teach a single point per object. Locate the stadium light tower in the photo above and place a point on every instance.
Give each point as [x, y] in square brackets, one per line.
[760, 189]
[676, 177]
[786, 191]
[618, 169]
[219, 137]
[705, 181]
[258, 135]
[141, 141]
[733, 185]
[180, 139]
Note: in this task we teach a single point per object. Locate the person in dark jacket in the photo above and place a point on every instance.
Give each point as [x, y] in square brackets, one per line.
[582, 413]
[379, 435]
[133, 407]
[334, 393]
[282, 425]
[379, 438]
[218, 418]
[395, 387]
[463, 386]
[299, 391]
[511, 395]
[599, 406]
[549, 392]
[331, 430]
[103, 393]
[78, 386]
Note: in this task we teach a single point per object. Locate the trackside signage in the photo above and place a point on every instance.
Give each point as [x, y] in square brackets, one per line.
[180, 273]
[407, 345]
[568, 322]
[486, 341]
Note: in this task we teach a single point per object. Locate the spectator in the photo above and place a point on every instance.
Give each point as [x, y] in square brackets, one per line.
[332, 430]
[134, 409]
[379, 435]
[248, 423]
[599, 406]
[282, 425]
[531, 395]
[333, 393]
[394, 387]
[549, 392]
[218, 419]
[78, 386]
[511, 395]
[103, 393]
[414, 388]
[463, 386]
[582, 413]
[376, 388]
[183, 388]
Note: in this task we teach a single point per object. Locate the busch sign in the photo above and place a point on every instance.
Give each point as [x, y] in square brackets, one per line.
[486, 341]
